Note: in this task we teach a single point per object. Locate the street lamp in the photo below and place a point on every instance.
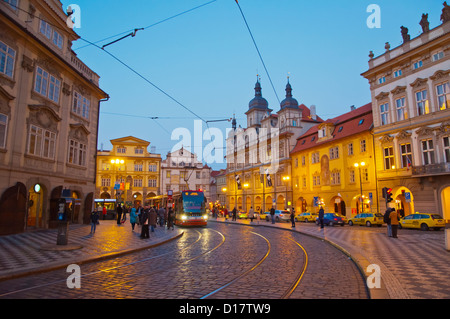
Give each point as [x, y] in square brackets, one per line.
[246, 185]
[359, 165]
[286, 179]
[117, 162]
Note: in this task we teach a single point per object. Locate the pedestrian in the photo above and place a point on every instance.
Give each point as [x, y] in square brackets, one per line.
[133, 217]
[119, 213]
[292, 218]
[124, 215]
[161, 214]
[251, 214]
[144, 221]
[321, 215]
[225, 213]
[394, 217]
[152, 219]
[233, 214]
[387, 220]
[272, 214]
[104, 212]
[170, 218]
[94, 220]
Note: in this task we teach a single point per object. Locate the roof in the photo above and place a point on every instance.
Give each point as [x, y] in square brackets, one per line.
[351, 123]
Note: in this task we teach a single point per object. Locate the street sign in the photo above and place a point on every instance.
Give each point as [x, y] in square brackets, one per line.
[408, 197]
[316, 201]
[371, 198]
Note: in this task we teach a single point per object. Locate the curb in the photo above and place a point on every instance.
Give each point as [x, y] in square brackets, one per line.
[81, 261]
[360, 261]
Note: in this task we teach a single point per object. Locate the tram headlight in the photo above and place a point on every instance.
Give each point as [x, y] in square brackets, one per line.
[205, 216]
[183, 217]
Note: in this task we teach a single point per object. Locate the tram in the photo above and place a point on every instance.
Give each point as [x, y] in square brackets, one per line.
[190, 209]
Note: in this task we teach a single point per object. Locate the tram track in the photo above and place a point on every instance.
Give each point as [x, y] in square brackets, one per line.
[109, 269]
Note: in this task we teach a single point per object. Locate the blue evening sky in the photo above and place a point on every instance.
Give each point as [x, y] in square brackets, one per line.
[206, 60]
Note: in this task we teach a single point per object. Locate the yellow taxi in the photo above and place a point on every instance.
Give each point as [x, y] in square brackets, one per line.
[423, 221]
[306, 217]
[367, 219]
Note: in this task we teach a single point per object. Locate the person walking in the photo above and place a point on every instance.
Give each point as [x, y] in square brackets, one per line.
[161, 214]
[94, 220]
[124, 215]
[394, 217]
[119, 213]
[144, 221]
[233, 214]
[170, 218]
[152, 219]
[133, 217]
[387, 220]
[251, 214]
[104, 212]
[225, 213]
[321, 215]
[292, 218]
[272, 214]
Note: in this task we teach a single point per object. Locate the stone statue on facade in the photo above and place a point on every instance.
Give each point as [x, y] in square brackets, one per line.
[424, 23]
[445, 16]
[405, 35]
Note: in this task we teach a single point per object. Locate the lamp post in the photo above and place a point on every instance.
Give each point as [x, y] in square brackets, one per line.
[246, 185]
[286, 179]
[359, 165]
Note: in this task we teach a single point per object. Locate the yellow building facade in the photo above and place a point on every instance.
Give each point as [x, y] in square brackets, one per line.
[333, 166]
[129, 173]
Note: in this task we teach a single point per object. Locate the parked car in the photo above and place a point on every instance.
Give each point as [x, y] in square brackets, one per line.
[423, 221]
[306, 217]
[367, 219]
[331, 219]
[242, 215]
[280, 215]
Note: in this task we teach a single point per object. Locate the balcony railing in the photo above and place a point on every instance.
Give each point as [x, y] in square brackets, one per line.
[432, 169]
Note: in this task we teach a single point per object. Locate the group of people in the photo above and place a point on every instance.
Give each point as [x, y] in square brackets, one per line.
[147, 217]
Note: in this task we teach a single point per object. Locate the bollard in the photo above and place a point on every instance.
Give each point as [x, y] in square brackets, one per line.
[63, 233]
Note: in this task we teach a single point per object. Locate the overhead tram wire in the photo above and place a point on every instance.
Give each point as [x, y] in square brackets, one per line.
[133, 31]
[257, 49]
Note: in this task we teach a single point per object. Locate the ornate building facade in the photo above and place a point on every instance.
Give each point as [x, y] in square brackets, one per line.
[49, 111]
[259, 172]
[410, 93]
[129, 173]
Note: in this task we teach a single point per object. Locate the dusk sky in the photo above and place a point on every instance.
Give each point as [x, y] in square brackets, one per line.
[206, 60]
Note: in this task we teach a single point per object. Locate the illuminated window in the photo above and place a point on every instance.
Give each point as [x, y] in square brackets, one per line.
[443, 95]
[422, 102]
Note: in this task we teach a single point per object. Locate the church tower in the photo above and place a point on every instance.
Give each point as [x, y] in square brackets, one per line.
[257, 108]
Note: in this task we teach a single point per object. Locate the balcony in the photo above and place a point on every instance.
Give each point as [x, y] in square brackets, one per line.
[430, 170]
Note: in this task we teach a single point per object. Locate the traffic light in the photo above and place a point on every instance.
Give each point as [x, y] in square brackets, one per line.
[389, 195]
[385, 192]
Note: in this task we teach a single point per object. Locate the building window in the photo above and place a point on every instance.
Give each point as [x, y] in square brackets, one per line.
[384, 112]
[41, 142]
[443, 95]
[417, 65]
[47, 30]
[152, 168]
[427, 151]
[315, 158]
[397, 73]
[438, 56]
[316, 180]
[363, 146]
[334, 152]
[138, 151]
[81, 105]
[335, 178]
[106, 182]
[405, 151]
[382, 80]
[13, 3]
[304, 182]
[167, 174]
[138, 167]
[77, 153]
[137, 182]
[389, 158]
[422, 102]
[152, 182]
[47, 85]
[352, 176]
[121, 150]
[350, 149]
[401, 109]
[447, 149]
[3, 130]
[7, 58]
[303, 160]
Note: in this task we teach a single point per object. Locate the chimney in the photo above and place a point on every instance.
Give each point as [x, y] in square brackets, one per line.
[313, 112]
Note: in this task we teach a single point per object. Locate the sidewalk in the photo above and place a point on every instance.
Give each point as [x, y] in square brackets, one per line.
[414, 266]
[36, 251]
